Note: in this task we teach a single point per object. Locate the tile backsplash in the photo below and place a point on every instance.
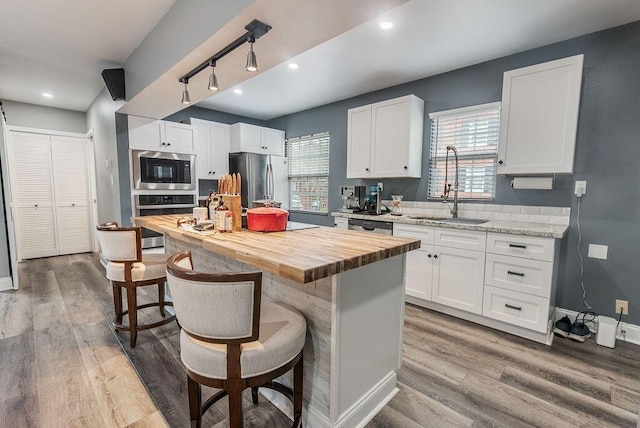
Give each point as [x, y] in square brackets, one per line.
[524, 213]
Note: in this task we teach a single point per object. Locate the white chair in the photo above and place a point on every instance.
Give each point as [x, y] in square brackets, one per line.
[232, 340]
[128, 268]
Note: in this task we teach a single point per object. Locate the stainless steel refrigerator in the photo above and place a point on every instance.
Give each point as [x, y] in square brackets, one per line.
[263, 177]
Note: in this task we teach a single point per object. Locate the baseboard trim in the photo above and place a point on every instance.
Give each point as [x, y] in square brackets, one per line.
[632, 334]
[6, 283]
[357, 416]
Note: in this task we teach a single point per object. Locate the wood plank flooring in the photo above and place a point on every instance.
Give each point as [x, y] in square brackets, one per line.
[62, 365]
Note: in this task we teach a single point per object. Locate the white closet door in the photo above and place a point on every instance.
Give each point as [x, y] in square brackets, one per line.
[71, 178]
[31, 173]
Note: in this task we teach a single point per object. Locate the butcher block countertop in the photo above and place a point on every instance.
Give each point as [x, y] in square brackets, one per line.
[300, 255]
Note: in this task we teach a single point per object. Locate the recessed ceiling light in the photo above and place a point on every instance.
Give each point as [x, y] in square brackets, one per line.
[293, 65]
[47, 94]
[237, 91]
[386, 25]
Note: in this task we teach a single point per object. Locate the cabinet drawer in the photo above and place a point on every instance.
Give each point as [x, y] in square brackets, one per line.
[522, 275]
[463, 239]
[523, 310]
[424, 233]
[521, 246]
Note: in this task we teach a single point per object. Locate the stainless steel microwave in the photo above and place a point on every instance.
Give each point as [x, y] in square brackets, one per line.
[163, 171]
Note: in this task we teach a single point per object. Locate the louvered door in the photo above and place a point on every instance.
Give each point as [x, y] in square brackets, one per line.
[71, 183]
[31, 166]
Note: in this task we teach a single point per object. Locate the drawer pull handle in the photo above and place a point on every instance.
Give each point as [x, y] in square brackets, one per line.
[518, 246]
[517, 308]
[515, 273]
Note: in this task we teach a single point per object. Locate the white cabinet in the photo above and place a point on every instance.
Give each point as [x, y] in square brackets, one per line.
[539, 118]
[256, 139]
[212, 144]
[520, 280]
[450, 275]
[384, 139]
[50, 182]
[341, 222]
[160, 135]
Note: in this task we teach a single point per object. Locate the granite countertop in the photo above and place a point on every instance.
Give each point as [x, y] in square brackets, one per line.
[301, 255]
[499, 226]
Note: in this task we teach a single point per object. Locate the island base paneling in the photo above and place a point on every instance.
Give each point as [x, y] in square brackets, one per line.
[352, 318]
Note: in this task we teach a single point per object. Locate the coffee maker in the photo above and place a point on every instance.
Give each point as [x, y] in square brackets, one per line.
[373, 201]
[352, 198]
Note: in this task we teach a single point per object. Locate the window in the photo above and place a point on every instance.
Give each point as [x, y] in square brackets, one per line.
[474, 132]
[308, 159]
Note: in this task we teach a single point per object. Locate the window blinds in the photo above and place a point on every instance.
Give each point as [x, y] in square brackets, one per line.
[308, 159]
[474, 132]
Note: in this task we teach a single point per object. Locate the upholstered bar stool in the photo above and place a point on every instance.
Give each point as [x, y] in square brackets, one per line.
[128, 268]
[232, 340]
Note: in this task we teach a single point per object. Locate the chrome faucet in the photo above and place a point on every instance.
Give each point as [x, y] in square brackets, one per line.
[447, 186]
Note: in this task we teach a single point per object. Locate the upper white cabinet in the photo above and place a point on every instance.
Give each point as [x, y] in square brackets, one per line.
[212, 145]
[385, 139]
[256, 139]
[160, 135]
[539, 118]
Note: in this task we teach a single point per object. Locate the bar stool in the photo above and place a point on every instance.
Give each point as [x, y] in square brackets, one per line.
[232, 340]
[127, 268]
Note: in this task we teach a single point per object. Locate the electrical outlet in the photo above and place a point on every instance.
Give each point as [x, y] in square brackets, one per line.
[581, 188]
[622, 305]
[380, 186]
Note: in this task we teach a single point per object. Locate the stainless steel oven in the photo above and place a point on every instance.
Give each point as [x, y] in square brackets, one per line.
[163, 171]
[158, 204]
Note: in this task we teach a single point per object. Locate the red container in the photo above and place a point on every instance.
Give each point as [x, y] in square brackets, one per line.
[267, 219]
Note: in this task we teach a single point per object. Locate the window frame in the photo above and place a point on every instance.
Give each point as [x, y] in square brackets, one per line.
[288, 142]
[459, 112]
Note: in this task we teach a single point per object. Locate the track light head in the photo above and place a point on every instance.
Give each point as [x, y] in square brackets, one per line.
[213, 80]
[186, 99]
[252, 62]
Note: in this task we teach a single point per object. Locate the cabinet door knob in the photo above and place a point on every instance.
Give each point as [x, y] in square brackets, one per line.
[213, 172]
[36, 205]
[164, 144]
[500, 162]
[366, 169]
[435, 256]
[405, 167]
[429, 255]
[168, 144]
[209, 172]
[73, 205]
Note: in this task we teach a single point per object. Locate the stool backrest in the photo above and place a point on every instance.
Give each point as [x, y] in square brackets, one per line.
[120, 244]
[215, 307]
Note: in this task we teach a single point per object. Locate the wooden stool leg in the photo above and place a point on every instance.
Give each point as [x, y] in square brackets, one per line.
[254, 394]
[117, 303]
[195, 402]
[161, 297]
[298, 376]
[235, 403]
[133, 315]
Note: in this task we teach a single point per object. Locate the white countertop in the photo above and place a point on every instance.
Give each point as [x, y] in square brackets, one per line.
[499, 226]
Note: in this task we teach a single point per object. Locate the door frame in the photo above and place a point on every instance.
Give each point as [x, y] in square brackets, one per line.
[90, 170]
[8, 209]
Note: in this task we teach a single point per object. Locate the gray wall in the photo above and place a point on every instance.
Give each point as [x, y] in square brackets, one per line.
[42, 117]
[607, 156]
[101, 118]
[5, 270]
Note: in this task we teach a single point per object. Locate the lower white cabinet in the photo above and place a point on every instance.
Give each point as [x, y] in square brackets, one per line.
[341, 222]
[504, 281]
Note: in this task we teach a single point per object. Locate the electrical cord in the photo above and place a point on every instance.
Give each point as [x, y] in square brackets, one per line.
[587, 317]
[619, 319]
[584, 291]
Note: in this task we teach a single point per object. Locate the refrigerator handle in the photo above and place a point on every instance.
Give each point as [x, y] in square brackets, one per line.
[270, 180]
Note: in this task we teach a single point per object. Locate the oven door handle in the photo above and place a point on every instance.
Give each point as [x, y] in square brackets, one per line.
[159, 207]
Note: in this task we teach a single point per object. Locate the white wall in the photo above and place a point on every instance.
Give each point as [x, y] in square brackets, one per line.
[101, 118]
[42, 117]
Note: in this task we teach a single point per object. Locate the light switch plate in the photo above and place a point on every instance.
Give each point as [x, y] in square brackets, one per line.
[598, 251]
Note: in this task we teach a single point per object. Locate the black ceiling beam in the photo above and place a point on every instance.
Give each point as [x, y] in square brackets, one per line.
[255, 30]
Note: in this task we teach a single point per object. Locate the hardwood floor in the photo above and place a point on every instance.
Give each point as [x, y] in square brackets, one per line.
[62, 365]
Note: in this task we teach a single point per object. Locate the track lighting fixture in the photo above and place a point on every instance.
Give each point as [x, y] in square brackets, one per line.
[213, 80]
[255, 30]
[252, 62]
[186, 99]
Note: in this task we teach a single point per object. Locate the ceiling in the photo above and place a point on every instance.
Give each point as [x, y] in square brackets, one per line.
[62, 46]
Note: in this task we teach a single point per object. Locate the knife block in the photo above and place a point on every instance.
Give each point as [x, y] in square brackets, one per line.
[233, 202]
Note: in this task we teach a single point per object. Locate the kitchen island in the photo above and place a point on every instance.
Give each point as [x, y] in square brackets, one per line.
[350, 288]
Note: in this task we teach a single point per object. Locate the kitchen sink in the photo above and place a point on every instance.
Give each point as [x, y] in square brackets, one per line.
[426, 217]
[465, 220]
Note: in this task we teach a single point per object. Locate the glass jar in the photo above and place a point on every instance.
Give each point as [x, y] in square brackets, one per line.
[396, 209]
